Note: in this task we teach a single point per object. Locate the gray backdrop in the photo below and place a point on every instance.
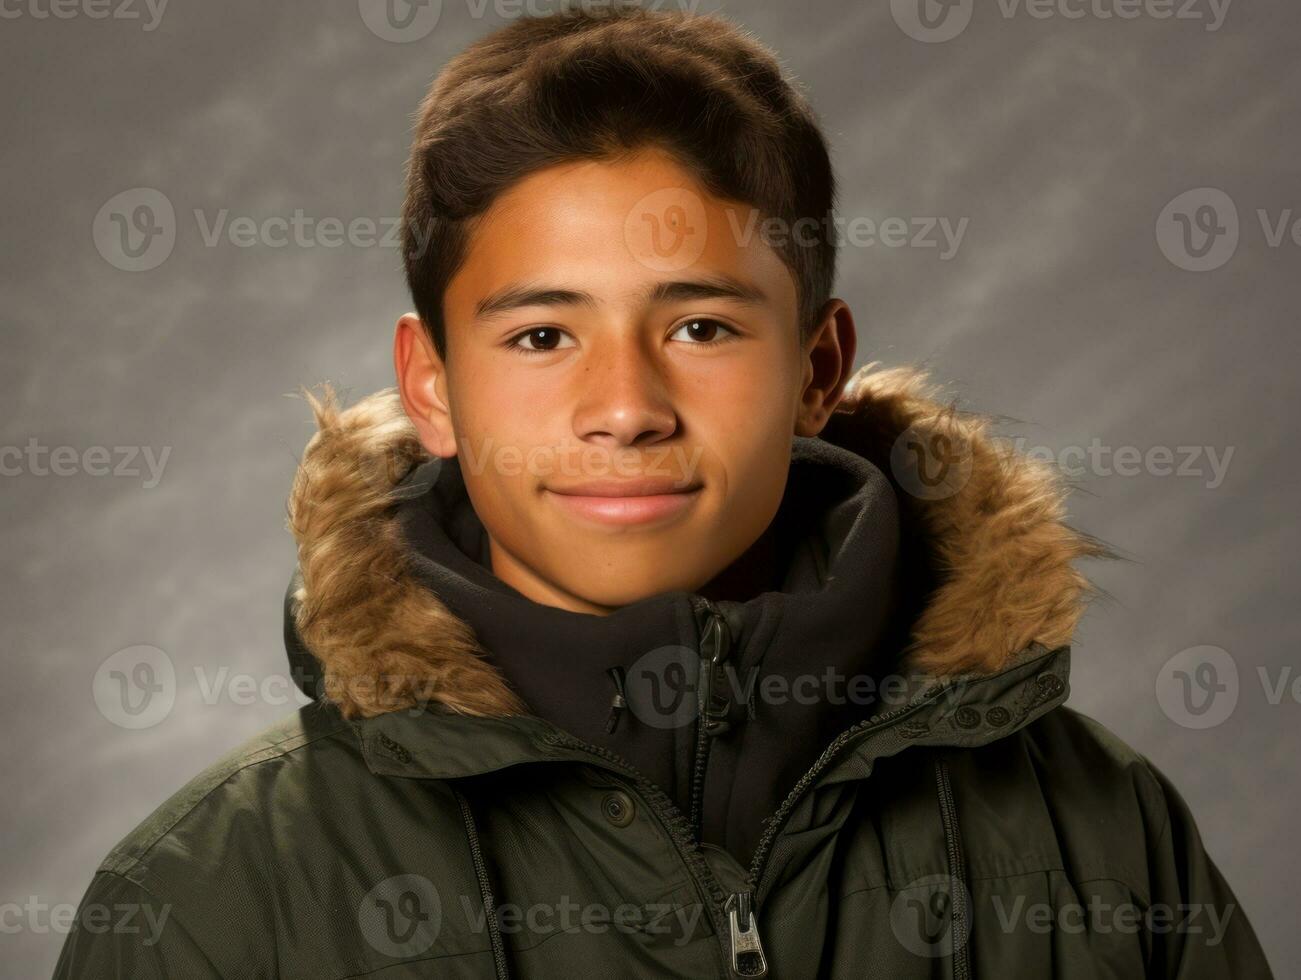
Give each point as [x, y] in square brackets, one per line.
[1142, 335]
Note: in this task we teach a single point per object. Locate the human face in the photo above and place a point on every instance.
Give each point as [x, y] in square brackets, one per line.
[623, 411]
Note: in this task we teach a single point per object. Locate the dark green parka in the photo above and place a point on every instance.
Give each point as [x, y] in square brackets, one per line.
[418, 821]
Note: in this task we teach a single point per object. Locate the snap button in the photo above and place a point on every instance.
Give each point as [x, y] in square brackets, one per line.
[967, 717]
[618, 808]
[1051, 685]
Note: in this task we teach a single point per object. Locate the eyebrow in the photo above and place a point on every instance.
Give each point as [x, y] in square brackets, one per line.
[720, 286]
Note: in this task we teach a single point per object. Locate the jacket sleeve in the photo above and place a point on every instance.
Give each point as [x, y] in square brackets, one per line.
[122, 932]
[1199, 930]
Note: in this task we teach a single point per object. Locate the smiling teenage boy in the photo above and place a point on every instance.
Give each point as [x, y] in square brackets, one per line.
[647, 637]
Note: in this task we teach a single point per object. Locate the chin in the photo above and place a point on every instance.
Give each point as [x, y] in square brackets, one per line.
[613, 590]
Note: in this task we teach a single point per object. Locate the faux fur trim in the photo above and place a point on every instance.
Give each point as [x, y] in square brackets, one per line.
[384, 642]
[997, 541]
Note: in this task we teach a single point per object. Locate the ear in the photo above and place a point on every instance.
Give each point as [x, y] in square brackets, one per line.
[828, 365]
[422, 385]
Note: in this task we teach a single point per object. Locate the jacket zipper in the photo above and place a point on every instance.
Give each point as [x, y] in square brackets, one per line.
[732, 914]
[743, 947]
[680, 832]
[712, 703]
[778, 819]
[953, 844]
[739, 933]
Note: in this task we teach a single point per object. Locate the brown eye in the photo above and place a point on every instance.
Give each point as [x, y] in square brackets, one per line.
[703, 330]
[539, 340]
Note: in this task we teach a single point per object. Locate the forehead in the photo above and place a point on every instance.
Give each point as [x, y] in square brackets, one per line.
[613, 228]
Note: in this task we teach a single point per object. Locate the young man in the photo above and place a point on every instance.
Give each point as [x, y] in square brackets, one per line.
[650, 639]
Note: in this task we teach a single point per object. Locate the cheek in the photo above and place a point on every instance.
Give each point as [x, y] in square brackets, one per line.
[497, 423]
[749, 430]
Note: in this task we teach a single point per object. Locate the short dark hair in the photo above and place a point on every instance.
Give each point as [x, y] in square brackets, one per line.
[602, 83]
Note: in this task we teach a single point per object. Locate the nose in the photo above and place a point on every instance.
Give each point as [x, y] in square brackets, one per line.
[625, 402]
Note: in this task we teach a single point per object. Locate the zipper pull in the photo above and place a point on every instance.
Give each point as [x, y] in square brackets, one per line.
[747, 949]
[713, 687]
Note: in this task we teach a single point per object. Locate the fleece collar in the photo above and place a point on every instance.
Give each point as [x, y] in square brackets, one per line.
[830, 610]
[989, 521]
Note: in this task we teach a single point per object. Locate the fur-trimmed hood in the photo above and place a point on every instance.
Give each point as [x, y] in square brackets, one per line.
[991, 521]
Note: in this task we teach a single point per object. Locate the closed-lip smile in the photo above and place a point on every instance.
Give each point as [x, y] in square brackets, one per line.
[641, 500]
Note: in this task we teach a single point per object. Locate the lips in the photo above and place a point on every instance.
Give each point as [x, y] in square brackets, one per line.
[644, 500]
[646, 486]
